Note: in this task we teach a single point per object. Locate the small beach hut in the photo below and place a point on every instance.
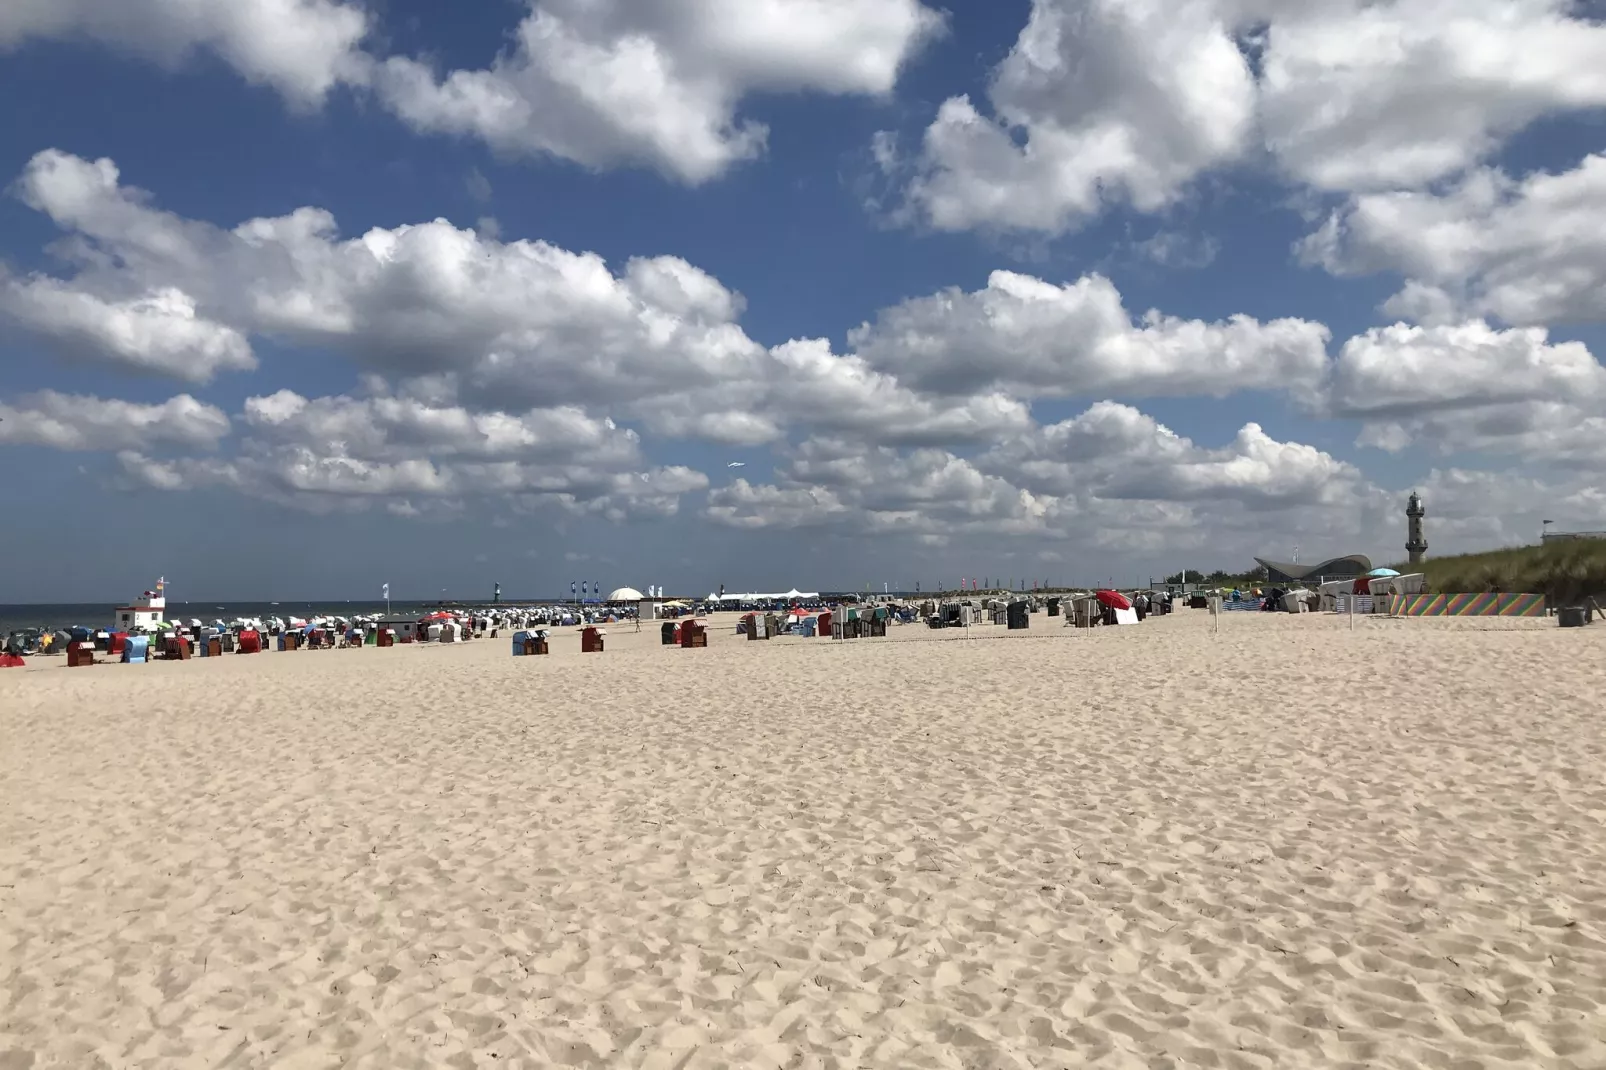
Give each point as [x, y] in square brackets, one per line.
[80, 653]
[693, 634]
[135, 649]
[591, 638]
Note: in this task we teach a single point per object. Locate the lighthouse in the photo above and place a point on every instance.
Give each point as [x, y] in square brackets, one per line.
[1416, 543]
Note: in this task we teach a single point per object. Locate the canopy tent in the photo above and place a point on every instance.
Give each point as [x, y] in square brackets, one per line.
[625, 594]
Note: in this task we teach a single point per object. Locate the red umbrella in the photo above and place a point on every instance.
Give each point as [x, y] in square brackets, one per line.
[1114, 600]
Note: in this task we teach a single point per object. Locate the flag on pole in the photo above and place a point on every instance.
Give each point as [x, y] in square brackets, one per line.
[571, 588]
[384, 590]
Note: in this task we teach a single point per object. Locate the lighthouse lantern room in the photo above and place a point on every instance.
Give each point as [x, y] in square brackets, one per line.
[147, 611]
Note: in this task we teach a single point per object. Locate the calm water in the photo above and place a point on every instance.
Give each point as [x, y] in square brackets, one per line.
[99, 614]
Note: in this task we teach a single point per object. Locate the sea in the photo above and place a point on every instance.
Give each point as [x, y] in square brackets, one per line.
[99, 614]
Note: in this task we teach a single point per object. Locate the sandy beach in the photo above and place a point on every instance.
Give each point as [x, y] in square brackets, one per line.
[1289, 845]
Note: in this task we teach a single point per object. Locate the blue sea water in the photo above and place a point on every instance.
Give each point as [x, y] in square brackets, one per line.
[99, 614]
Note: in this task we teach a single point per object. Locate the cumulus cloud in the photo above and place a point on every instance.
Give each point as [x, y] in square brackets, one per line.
[1025, 335]
[301, 48]
[376, 426]
[1111, 478]
[1409, 370]
[1115, 99]
[1359, 95]
[611, 82]
[408, 452]
[78, 422]
[158, 333]
[1128, 101]
[466, 319]
[1527, 252]
[1471, 388]
[1113, 452]
[603, 83]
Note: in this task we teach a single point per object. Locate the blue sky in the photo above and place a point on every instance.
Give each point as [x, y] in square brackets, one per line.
[916, 305]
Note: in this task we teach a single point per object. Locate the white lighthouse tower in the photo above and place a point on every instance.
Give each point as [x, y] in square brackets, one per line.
[148, 610]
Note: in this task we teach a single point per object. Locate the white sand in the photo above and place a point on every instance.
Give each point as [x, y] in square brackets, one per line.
[1289, 846]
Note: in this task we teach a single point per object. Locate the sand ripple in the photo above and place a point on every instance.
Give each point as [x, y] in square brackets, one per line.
[1289, 846]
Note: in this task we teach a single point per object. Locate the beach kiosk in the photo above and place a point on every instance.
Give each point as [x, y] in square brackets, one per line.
[146, 611]
[404, 627]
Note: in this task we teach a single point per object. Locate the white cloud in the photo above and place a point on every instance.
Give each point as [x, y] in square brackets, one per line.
[465, 319]
[77, 422]
[158, 333]
[603, 83]
[1111, 478]
[301, 48]
[1406, 370]
[744, 505]
[1528, 252]
[1128, 101]
[610, 82]
[375, 427]
[1469, 388]
[1024, 335]
[1113, 452]
[1365, 95]
[1113, 99]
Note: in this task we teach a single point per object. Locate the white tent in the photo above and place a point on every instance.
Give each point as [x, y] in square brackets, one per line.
[625, 594]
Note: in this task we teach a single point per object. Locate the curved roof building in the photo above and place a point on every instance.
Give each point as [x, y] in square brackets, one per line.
[1332, 568]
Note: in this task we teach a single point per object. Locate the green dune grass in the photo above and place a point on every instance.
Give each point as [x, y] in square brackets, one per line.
[1564, 570]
